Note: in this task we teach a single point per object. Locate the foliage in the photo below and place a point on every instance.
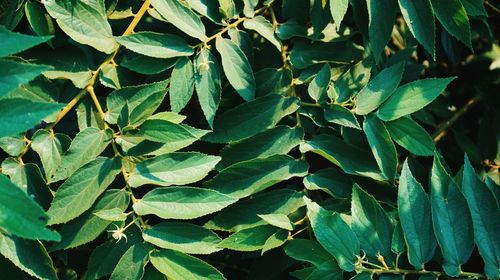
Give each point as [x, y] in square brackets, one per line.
[247, 139]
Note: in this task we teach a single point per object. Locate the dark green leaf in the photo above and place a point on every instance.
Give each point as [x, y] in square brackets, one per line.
[157, 45]
[207, 83]
[331, 180]
[453, 17]
[13, 74]
[307, 250]
[132, 263]
[182, 84]
[382, 14]
[419, 18]
[382, 147]
[265, 29]
[340, 115]
[250, 239]
[411, 136]
[16, 42]
[318, 86]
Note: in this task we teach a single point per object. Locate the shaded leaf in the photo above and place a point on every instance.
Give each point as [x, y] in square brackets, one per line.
[157, 45]
[382, 147]
[207, 83]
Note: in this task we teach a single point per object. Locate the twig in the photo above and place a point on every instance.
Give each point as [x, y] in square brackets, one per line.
[442, 128]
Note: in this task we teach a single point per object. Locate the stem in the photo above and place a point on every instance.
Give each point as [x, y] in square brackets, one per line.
[310, 104]
[443, 127]
[90, 90]
[137, 18]
[415, 272]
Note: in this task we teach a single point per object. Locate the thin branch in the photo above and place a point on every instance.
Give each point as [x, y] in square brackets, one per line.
[442, 128]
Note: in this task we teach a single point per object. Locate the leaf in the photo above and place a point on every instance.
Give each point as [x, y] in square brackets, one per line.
[17, 42]
[113, 214]
[411, 136]
[398, 242]
[353, 80]
[379, 89]
[250, 239]
[451, 219]
[87, 145]
[176, 135]
[412, 97]
[474, 7]
[251, 118]
[39, 20]
[279, 238]
[182, 202]
[50, 147]
[13, 146]
[334, 235]
[349, 158]
[29, 256]
[415, 216]
[244, 214]
[371, 225]
[20, 215]
[144, 64]
[453, 17]
[246, 178]
[84, 21]
[172, 169]
[132, 263]
[306, 250]
[338, 10]
[181, 84]
[265, 29]
[274, 141]
[331, 180]
[249, 7]
[183, 237]
[381, 14]
[87, 226]
[13, 74]
[157, 45]
[236, 68]
[272, 80]
[207, 8]
[277, 220]
[382, 147]
[177, 265]
[419, 18]
[181, 17]
[485, 214]
[243, 40]
[328, 269]
[207, 83]
[318, 86]
[340, 115]
[305, 54]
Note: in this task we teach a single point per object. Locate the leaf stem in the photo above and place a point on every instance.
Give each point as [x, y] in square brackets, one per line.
[382, 270]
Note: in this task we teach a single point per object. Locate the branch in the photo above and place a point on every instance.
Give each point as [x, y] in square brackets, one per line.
[442, 128]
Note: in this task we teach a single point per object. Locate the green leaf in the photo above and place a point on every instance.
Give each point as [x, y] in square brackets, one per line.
[50, 147]
[318, 86]
[451, 220]
[349, 158]
[249, 7]
[87, 226]
[172, 169]
[331, 180]
[305, 54]
[381, 14]
[17, 42]
[340, 115]
[277, 220]
[243, 40]
[157, 45]
[272, 80]
[132, 263]
[244, 214]
[338, 10]
[183, 237]
[175, 135]
[279, 238]
[412, 97]
[379, 89]
[398, 240]
[181, 84]
[415, 216]
[144, 64]
[265, 29]
[80, 79]
[474, 7]
[13, 146]
[329, 269]
[411, 136]
[13, 74]
[250, 239]
[87, 145]
[334, 235]
[382, 147]
[353, 80]
[177, 265]
[207, 8]
[236, 68]
[274, 141]
[248, 177]
[20, 215]
[251, 118]
[84, 21]
[39, 20]
[181, 17]
[207, 83]
[419, 18]
[113, 214]
[485, 214]
[453, 17]
[371, 225]
[306, 250]
[29, 256]
[182, 202]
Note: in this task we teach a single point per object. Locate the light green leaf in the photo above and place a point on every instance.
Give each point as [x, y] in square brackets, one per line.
[379, 89]
[419, 18]
[181, 17]
[411, 136]
[415, 216]
[17, 42]
[208, 8]
[169, 133]
[183, 237]
[453, 17]
[340, 115]
[29, 256]
[13, 74]
[331, 180]
[80, 78]
[177, 265]
[485, 214]
[251, 118]
[334, 235]
[182, 202]
[382, 147]
[228, 8]
[20, 215]
[276, 240]
[207, 83]
[250, 239]
[181, 84]
[50, 147]
[381, 14]
[132, 263]
[412, 97]
[172, 169]
[277, 220]
[157, 45]
[249, 7]
[451, 219]
[236, 68]
[13, 146]
[318, 86]
[113, 214]
[87, 145]
[84, 21]
[338, 8]
[306, 250]
[265, 29]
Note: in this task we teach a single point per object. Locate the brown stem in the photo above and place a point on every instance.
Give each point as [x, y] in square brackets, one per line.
[442, 128]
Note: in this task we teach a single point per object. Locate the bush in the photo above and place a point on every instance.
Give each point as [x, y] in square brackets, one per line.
[325, 139]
